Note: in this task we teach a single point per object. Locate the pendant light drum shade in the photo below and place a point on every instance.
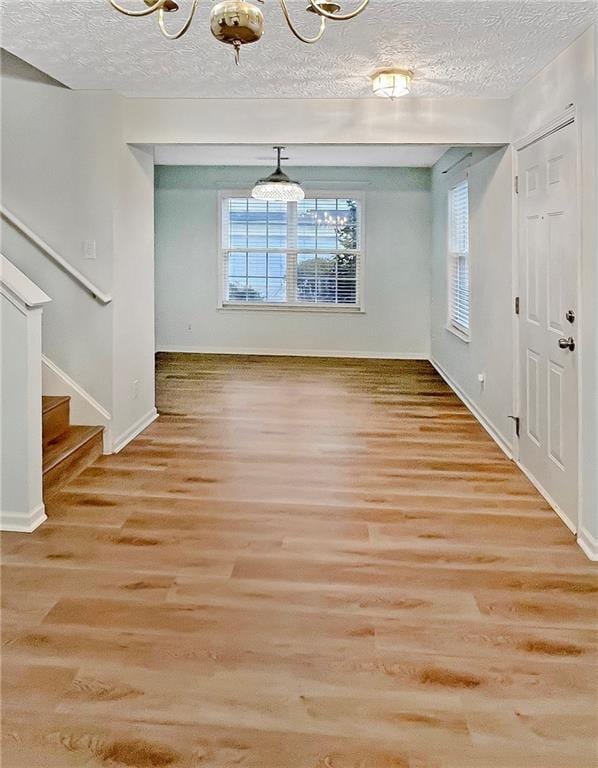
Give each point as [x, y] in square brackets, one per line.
[277, 186]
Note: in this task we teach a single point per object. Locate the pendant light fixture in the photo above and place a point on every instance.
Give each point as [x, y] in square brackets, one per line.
[391, 83]
[278, 186]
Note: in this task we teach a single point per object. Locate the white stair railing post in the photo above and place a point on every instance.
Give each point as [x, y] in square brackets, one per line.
[21, 305]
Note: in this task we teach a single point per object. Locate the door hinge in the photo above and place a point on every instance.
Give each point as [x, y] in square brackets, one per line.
[516, 305]
[516, 185]
[517, 421]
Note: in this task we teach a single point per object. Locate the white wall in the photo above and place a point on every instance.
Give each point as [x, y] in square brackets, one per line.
[133, 365]
[57, 177]
[317, 121]
[572, 78]
[490, 349]
[397, 213]
[68, 174]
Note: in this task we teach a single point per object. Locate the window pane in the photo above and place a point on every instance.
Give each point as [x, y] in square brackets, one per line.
[328, 223]
[347, 291]
[256, 264]
[237, 289]
[256, 289]
[326, 265]
[306, 288]
[306, 265]
[277, 264]
[326, 290]
[347, 265]
[277, 236]
[237, 264]
[276, 289]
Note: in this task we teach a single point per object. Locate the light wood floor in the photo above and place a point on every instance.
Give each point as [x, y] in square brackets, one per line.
[301, 564]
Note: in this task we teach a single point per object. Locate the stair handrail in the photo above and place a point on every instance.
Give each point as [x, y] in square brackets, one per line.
[20, 286]
[97, 294]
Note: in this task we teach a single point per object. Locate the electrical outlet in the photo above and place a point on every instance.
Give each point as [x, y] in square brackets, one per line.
[89, 249]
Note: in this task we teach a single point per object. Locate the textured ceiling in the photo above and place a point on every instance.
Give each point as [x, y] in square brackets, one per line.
[370, 155]
[456, 48]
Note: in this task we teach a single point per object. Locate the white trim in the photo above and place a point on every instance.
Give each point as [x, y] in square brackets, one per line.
[18, 286]
[465, 337]
[295, 352]
[97, 294]
[83, 407]
[131, 433]
[559, 121]
[588, 544]
[23, 523]
[490, 428]
[543, 492]
[348, 309]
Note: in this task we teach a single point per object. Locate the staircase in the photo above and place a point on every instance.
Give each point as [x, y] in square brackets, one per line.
[67, 448]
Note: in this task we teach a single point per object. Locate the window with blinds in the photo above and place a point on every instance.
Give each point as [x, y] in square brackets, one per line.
[300, 254]
[458, 256]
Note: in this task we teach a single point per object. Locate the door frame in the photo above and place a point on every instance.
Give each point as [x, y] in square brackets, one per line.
[568, 116]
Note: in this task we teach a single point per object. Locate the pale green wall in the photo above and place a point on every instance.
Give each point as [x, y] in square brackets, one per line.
[397, 243]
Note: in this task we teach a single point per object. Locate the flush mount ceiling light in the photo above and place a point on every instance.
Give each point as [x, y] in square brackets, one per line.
[277, 186]
[239, 22]
[392, 82]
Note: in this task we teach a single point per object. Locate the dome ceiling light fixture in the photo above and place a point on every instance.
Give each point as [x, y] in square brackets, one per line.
[391, 82]
[240, 22]
[278, 186]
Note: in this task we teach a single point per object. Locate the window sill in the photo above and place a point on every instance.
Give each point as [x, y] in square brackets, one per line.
[465, 337]
[334, 309]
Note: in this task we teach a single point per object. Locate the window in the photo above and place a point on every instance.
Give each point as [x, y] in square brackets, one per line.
[299, 254]
[458, 257]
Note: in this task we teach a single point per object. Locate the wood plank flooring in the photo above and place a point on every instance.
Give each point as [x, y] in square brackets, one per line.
[303, 563]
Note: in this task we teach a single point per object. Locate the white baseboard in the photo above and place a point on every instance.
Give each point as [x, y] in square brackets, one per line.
[23, 522]
[543, 492]
[494, 433]
[131, 433]
[585, 540]
[295, 352]
[84, 409]
[588, 544]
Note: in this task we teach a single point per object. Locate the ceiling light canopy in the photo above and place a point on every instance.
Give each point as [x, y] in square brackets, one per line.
[277, 186]
[391, 83]
[239, 22]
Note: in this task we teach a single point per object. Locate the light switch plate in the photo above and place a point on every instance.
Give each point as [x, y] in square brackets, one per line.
[89, 249]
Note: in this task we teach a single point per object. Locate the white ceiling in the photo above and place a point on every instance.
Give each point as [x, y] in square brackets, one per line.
[456, 48]
[367, 155]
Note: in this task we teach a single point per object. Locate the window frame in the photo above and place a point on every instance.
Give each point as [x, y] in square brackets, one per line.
[460, 331]
[265, 306]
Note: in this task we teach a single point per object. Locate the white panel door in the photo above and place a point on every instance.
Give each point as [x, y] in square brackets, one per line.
[548, 319]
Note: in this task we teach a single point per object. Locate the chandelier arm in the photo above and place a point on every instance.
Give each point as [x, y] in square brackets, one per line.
[145, 12]
[338, 16]
[183, 29]
[296, 32]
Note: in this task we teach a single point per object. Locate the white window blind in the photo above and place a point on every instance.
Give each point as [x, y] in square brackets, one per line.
[458, 267]
[300, 254]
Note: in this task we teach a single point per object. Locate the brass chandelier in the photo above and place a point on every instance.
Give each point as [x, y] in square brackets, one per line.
[240, 22]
